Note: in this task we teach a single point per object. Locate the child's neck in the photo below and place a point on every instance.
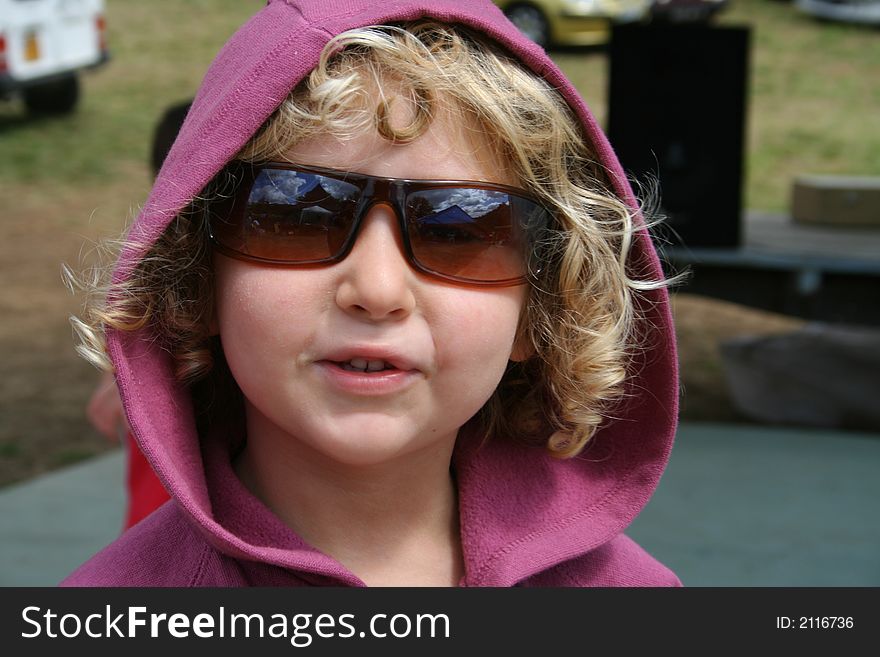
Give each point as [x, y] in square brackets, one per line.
[393, 524]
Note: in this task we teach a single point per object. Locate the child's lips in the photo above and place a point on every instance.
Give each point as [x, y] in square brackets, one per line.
[371, 359]
[369, 370]
[366, 383]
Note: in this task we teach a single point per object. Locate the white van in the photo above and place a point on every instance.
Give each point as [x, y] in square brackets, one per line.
[43, 46]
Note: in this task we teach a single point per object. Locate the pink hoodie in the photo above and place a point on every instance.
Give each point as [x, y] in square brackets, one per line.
[526, 518]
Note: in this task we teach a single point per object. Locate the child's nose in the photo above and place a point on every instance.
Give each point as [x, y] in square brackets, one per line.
[376, 277]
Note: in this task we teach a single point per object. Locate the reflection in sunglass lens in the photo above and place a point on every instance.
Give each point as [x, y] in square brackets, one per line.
[297, 217]
[469, 233]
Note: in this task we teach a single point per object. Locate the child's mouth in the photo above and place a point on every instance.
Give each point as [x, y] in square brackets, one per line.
[367, 377]
[364, 365]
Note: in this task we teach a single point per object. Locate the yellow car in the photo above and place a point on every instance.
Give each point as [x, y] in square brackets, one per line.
[572, 22]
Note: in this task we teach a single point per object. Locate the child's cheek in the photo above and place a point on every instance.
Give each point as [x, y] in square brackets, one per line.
[480, 328]
[256, 308]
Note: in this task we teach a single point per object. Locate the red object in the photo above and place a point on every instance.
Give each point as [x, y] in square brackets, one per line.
[101, 24]
[145, 491]
[3, 66]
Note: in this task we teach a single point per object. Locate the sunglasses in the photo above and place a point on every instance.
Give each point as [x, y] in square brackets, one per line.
[462, 231]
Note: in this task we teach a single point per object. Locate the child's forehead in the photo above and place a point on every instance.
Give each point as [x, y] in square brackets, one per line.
[453, 136]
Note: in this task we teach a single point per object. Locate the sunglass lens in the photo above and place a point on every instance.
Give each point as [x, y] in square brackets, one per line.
[467, 233]
[293, 217]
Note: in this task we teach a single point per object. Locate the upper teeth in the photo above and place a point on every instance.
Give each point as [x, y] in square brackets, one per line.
[366, 365]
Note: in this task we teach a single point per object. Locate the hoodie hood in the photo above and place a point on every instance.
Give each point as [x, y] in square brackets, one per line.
[521, 510]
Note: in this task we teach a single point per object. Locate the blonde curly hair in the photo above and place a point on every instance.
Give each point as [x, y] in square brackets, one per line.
[580, 317]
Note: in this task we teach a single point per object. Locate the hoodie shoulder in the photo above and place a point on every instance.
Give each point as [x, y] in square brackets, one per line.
[164, 550]
[620, 562]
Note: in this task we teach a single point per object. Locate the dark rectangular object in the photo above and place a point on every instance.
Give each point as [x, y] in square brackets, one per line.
[676, 111]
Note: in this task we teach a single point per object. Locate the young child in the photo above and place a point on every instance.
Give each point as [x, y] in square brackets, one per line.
[389, 316]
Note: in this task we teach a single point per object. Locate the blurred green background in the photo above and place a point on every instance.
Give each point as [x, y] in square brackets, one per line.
[815, 97]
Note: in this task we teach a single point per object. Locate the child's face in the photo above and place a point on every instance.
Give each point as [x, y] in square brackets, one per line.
[284, 331]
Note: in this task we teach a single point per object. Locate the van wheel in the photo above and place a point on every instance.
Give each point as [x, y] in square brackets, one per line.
[530, 21]
[56, 97]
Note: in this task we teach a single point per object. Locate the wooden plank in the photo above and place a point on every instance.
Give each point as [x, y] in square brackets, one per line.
[775, 242]
[778, 233]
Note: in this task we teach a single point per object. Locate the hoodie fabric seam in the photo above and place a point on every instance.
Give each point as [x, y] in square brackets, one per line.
[196, 577]
[396, 9]
[559, 524]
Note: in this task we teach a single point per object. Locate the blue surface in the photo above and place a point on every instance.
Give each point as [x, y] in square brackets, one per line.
[738, 506]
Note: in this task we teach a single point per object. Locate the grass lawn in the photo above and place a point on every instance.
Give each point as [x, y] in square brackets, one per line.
[815, 101]
[159, 52]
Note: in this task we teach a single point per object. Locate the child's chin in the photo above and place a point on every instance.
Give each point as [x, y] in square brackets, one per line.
[374, 447]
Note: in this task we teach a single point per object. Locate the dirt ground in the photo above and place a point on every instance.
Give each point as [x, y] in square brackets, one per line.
[44, 385]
